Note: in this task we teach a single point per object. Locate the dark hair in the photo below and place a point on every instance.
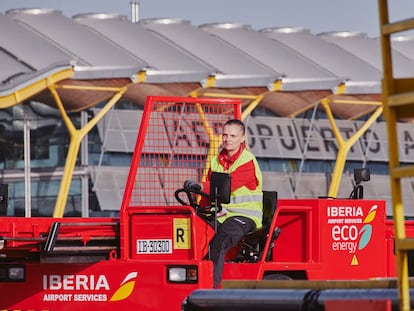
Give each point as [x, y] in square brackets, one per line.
[236, 122]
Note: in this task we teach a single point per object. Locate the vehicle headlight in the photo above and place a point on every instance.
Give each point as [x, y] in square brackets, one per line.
[182, 274]
[12, 273]
[16, 273]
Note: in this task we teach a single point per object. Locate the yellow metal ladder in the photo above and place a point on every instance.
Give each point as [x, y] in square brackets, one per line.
[398, 101]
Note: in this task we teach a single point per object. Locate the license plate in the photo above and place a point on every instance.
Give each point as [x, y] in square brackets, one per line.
[154, 246]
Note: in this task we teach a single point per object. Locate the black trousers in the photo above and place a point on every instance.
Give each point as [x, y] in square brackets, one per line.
[229, 233]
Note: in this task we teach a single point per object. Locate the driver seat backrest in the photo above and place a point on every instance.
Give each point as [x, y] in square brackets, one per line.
[252, 244]
[269, 208]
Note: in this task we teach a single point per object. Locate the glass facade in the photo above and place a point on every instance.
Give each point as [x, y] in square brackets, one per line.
[49, 142]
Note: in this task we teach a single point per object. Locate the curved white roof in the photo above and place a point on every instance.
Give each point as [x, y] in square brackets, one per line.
[106, 47]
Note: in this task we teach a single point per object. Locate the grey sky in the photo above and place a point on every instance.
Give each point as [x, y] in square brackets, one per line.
[315, 15]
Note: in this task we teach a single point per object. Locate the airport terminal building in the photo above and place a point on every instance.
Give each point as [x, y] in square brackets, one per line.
[73, 90]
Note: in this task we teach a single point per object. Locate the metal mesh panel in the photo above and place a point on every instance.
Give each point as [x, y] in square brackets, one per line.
[176, 145]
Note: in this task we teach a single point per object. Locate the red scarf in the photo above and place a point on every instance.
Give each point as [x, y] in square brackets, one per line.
[227, 161]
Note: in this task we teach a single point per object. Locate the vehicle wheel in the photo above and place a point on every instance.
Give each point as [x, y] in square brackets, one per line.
[277, 276]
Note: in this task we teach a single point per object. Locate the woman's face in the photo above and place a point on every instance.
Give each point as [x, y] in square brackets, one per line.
[232, 138]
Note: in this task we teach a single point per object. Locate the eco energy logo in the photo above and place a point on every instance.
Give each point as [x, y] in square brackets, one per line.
[351, 231]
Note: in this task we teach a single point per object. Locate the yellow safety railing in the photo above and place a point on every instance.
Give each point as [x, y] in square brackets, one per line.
[398, 100]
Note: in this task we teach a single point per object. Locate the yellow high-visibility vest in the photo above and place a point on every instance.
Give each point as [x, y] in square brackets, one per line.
[243, 201]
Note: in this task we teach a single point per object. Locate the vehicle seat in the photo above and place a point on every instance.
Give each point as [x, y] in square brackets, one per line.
[253, 243]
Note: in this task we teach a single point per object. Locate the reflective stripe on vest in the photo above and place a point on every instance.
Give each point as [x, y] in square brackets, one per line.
[239, 202]
[246, 198]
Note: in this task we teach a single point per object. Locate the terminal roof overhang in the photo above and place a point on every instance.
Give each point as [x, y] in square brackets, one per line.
[173, 57]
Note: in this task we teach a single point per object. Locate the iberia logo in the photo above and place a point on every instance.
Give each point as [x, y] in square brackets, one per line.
[365, 232]
[84, 287]
[126, 287]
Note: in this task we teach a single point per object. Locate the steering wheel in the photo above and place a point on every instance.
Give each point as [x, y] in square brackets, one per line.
[207, 211]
